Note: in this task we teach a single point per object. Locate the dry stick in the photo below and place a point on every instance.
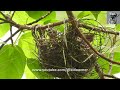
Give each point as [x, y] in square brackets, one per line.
[74, 23]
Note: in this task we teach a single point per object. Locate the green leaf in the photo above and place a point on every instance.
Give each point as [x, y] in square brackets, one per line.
[102, 18]
[12, 62]
[105, 64]
[21, 17]
[116, 68]
[29, 74]
[61, 15]
[4, 28]
[92, 75]
[95, 13]
[87, 17]
[117, 27]
[34, 64]
[58, 28]
[85, 14]
[26, 42]
[37, 14]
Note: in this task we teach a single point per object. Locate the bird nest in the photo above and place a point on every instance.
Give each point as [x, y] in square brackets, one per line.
[65, 53]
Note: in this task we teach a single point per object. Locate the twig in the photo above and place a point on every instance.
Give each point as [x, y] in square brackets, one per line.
[40, 18]
[74, 23]
[98, 29]
[3, 14]
[11, 27]
[2, 22]
[9, 38]
[12, 14]
[98, 70]
[11, 33]
[111, 76]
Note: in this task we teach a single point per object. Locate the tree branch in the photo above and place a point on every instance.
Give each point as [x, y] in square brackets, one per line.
[29, 27]
[74, 23]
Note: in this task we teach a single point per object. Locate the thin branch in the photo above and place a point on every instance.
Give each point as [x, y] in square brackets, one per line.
[11, 27]
[11, 33]
[40, 18]
[111, 76]
[2, 22]
[9, 38]
[3, 14]
[12, 14]
[98, 29]
[74, 23]
[98, 70]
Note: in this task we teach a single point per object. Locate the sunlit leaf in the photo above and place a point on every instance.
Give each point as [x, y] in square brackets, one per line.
[12, 62]
[22, 17]
[4, 28]
[26, 42]
[105, 64]
[34, 65]
[95, 13]
[85, 14]
[102, 18]
[38, 14]
[29, 74]
[117, 27]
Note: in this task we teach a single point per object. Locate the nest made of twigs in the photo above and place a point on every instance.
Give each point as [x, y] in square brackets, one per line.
[65, 51]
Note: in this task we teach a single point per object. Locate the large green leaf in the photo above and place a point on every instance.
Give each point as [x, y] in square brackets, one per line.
[61, 15]
[117, 27]
[37, 14]
[102, 18]
[87, 17]
[3, 27]
[33, 65]
[26, 42]
[85, 14]
[95, 13]
[29, 74]
[105, 64]
[21, 17]
[12, 62]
